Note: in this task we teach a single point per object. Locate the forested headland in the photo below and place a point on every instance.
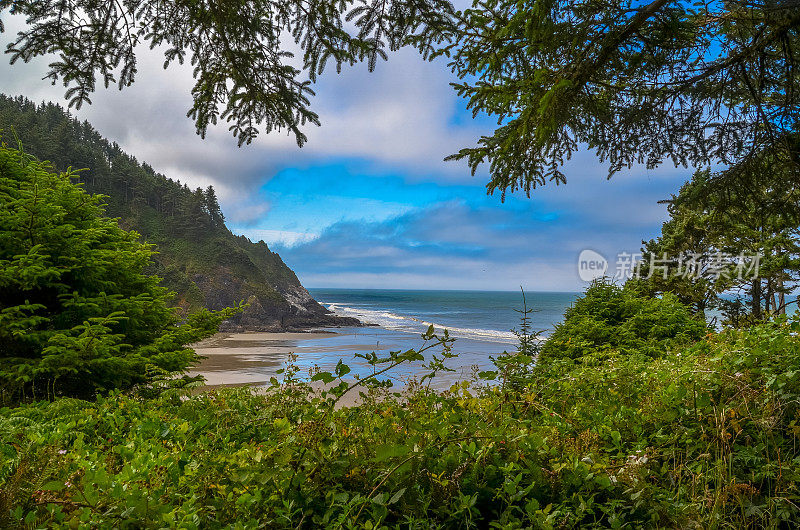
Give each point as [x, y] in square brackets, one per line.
[197, 257]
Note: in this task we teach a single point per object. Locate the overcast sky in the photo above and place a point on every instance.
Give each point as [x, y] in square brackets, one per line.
[368, 202]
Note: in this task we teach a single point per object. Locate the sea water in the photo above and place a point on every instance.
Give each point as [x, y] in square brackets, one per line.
[483, 323]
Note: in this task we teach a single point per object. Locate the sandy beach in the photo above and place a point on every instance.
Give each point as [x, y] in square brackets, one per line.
[247, 358]
[235, 359]
[252, 358]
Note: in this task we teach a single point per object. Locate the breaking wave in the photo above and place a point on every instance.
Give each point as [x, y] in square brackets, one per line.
[393, 321]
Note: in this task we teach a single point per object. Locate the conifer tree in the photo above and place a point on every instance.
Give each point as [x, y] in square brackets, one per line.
[78, 314]
[212, 205]
[736, 231]
[637, 82]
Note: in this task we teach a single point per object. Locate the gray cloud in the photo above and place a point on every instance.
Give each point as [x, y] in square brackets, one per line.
[397, 118]
[394, 117]
[394, 120]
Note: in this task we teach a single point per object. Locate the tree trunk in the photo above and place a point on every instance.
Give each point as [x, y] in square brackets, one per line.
[755, 295]
[781, 297]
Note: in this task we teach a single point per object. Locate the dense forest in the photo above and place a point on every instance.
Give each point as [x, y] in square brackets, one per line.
[198, 257]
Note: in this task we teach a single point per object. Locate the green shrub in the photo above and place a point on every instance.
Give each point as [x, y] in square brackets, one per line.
[77, 313]
[609, 318]
[705, 437]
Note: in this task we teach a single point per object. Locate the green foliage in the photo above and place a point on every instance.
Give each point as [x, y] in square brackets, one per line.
[78, 313]
[637, 82]
[608, 318]
[715, 220]
[198, 257]
[513, 369]
[705, 436]
[243, 66]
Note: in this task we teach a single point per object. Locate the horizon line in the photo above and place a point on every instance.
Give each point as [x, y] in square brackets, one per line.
[446, 290]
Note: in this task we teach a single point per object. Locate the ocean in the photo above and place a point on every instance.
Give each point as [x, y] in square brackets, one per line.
[482, 322]
[480, 315]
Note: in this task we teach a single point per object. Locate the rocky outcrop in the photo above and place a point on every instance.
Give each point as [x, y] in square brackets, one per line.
[278, 308]
[282, 317]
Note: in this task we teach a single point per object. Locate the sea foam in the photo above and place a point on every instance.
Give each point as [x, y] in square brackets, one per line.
[409, 324]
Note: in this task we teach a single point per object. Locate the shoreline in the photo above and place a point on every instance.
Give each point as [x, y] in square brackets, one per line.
[247, 358]
[296, 324]
[254, 358]
[251, 358]
[217, 340]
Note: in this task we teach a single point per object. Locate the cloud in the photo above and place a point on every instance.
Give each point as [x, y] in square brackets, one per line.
[404, 118]
[369, 202]
[396, 116]
[248, 215]
[283, 238]
[456, 245]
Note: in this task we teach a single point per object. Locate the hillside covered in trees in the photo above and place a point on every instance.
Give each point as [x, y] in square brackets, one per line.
[203, 262]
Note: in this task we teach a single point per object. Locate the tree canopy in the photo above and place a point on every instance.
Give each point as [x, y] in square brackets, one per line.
[739, 235]
[78, 313]
[695, 82]
[608, 318]
[244, 68]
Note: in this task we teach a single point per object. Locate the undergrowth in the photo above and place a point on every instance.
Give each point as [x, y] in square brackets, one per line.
[704, 437]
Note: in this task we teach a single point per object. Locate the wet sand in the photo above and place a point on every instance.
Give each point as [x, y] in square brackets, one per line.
[237, 359]
[252, 358]
[247, 358]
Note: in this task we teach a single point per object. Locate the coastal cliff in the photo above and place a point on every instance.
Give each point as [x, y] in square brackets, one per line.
[199, 258]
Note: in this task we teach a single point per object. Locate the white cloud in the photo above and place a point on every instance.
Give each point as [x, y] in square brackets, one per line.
[455, 245]
[396, 120]
[284, 238]
[248, 215]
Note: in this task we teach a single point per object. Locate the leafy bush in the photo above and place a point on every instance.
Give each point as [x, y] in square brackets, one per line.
[513, 369]
[705, 437]
[610, 318]
[77, 313]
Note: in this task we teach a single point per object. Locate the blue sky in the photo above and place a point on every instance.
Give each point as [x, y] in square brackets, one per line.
[369, 201]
